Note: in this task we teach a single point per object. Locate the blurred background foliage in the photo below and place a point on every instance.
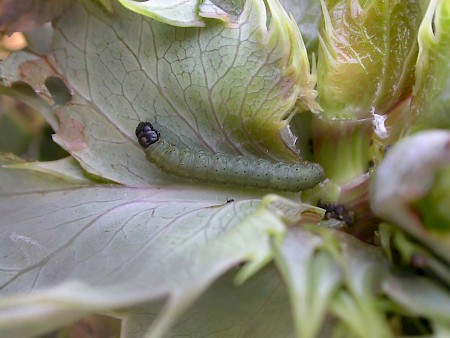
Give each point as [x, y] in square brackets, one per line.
[23, 130]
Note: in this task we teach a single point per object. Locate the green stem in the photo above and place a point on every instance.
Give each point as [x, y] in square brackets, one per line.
[342, 147]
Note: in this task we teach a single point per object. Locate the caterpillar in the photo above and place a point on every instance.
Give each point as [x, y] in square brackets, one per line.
[226, 169]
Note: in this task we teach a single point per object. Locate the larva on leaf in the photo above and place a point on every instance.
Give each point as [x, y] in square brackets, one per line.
[226, 169]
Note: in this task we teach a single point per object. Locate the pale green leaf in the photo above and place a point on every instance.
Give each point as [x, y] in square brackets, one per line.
[66, 168]
[411, 252]
[259, 308]
[87, 248]
[208, 9]
[307, 14]
[420, 296]
[311, 277]
[220, 88]
[367, 53]
[328, 272]
[359, 305]
[431, 104]
[406, 176]
[183, 13]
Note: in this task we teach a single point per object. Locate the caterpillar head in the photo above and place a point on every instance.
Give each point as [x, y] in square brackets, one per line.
[146, 134]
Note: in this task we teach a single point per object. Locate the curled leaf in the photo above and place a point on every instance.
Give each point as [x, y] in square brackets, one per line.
[410, 175]
[182, 13]
[431, 104]
[366, 59]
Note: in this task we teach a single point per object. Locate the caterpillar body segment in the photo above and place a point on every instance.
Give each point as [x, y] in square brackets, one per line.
[226, 169]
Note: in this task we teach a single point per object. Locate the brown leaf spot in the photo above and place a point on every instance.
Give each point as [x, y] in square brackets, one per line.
[34, 73]
[71, 133]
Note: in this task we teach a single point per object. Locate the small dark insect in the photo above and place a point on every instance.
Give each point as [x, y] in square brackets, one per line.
[337, 211]
[226, 169]
[230, 200]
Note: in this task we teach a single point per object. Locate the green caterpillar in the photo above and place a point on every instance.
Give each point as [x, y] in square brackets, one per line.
[226, 169]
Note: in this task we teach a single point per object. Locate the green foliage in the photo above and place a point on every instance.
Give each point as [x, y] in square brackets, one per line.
[367, 55]
[431, 103]
[434, 207]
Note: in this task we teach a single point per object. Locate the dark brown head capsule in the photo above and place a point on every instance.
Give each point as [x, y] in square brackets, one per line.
[146, 134]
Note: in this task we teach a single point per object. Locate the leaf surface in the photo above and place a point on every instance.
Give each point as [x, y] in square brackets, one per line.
[71, 248]
[227, 88]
